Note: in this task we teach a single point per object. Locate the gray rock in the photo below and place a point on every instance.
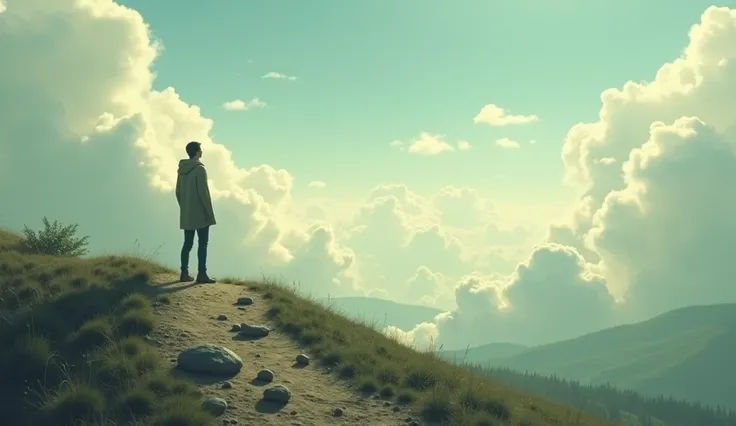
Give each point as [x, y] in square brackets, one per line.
[248, 330]
[302, 359]
[265, 375]
[209, 359]
[215, 406]
[338, 412]
[227, 385]
[278, 393]
[222, 317]
[244, 301]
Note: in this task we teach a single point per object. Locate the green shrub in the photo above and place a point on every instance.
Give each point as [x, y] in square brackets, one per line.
[55, 240]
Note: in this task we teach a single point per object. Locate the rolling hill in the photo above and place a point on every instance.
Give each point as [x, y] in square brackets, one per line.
[687, 353]
[382, 312]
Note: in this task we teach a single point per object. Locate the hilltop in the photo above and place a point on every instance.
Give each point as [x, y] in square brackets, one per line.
[108, 340]
[686, 353]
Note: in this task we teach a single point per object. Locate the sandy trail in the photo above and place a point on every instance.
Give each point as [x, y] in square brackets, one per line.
[190, 319]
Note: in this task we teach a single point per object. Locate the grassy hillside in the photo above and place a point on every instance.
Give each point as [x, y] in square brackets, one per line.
[74, 353]
[382, 312]
[71, 331]
[492, 352]
[687, 353]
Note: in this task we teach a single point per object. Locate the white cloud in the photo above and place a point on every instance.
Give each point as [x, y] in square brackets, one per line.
[3, 7]
[279, 76]
[507, 143]
[317, 184]
[428, 144]
[240, 105]
[463, 145]
[657, 205]
[543, 301]
[496, 116]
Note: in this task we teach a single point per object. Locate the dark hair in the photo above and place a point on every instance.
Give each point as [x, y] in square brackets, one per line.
[192, 149]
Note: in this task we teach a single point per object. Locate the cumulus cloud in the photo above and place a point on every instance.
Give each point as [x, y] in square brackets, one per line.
[278, 76]
[656, 174]
[240, 105]
[429, 144]
[496, 116]
[317, 184]
[108, 145]
[543, 301]
[507, 143]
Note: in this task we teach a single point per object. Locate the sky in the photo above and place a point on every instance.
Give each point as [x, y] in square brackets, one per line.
[537, 170]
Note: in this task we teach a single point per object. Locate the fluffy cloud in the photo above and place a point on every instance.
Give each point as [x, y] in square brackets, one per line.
[543, 301]
[463, 145]
[496, 116]
[279, 76]
[240, 105]
[108, 145]
[507, 143]
[656, 181]
[424, 144]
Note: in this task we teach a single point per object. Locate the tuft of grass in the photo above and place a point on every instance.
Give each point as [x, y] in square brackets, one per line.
[70, 329]
[74, 403]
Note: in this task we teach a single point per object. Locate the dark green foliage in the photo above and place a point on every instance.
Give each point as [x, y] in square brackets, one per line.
[55, 240]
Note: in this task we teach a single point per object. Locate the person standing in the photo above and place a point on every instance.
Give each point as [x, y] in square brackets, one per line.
[195, 211]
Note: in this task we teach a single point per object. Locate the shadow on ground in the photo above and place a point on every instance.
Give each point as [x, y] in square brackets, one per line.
[200, 379]
[269, 407]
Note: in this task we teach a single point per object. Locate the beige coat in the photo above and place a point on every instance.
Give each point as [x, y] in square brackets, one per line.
[193, 195]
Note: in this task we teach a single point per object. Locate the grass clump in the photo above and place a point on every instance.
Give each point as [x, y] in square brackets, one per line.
[71, 331]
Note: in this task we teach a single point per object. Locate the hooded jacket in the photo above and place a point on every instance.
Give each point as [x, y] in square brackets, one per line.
[193, 195]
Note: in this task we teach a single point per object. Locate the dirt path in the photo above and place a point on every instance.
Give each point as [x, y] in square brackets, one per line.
[190, 319]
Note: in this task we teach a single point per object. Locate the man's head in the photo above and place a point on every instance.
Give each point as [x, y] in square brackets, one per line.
[194, 150]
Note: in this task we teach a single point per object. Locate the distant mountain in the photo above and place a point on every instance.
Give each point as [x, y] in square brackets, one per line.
[382, 312]
[488, 354]
[688, 353]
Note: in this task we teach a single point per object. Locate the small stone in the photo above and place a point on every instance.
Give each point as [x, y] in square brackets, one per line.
[278, 393]
[258, 355]
[235, 327]
[302, 359]
[337, 412]
[222, 317]
[265, 375]
[241, 308]
[227, 385]
[244, 301]
[386, 403]
[293, 413]
[215, 406]
[233, 421]
[396, 409]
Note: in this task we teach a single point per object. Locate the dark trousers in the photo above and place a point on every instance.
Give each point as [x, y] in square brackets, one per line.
[203, 237]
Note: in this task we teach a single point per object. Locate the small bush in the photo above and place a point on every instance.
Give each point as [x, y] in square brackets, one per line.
[55, 240]
[73, 404]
